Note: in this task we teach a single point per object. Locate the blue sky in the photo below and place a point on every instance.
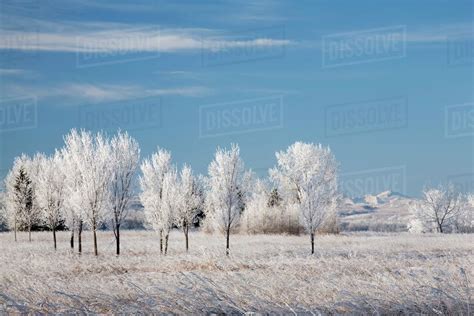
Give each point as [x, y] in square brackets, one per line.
[172, 70]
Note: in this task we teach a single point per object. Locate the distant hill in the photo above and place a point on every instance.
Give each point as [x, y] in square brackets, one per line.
[386, 211]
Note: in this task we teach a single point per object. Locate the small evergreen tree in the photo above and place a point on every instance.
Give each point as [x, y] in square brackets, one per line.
[24, 200]
[274, 199]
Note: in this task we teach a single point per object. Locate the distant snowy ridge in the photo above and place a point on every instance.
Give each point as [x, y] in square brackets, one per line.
[386, 209]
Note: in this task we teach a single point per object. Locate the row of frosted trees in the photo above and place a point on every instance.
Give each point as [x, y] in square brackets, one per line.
[91, 181]
[82, 185]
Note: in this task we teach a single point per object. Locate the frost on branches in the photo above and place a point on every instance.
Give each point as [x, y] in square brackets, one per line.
[154, 171]
[169, 199]
[465, 220]
[442, 210]
[258, 215]
[125, 157]
[228, 186]
[437, 210]
[74, 204]
[90, 155]
[266, 213]
[50, 191]
[170, 202]
[191, 200]
[306, 175]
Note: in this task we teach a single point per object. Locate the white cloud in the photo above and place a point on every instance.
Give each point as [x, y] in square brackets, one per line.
[94, 93]
[113, 37]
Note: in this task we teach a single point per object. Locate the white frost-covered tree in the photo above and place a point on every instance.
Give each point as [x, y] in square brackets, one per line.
[91, 155]
[306, 174]
[50, 191]
[265, 212]
[170, 203]
[191, 199]
[154, 171]
[259, 215]
[415, 225]
[73, 203]
[438, 208]
[125, 157]
[228, 188]
[464, 222]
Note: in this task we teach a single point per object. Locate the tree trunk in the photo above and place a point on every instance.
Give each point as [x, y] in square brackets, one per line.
[54, 237]
[186, 231]
[227, 241]
[72, 239]
[72, 235]
[312, 243]
[29, 233]
[161, 241]
[289, 225]
[117, 239]
[79, 237]
[15, 230]
[440, 228]
[94, 228]
[166, 242]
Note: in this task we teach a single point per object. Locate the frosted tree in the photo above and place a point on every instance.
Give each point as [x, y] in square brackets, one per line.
[415, 225]
[92, 157]
[50, 191]
[170, 203]
[306, 174]
[258, 217]
[191, 198]
[469, 213]
[464, 222]
[228, 185]
[73, 203]
[438, 207]
[154, 171]
[125, 156]
[265, 212]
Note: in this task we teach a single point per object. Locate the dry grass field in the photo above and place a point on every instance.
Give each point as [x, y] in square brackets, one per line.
[356, 274]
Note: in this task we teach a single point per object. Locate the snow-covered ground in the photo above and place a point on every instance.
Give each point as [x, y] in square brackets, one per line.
[358, 273]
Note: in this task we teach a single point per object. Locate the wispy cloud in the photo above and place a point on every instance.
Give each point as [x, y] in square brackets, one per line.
[95, 93]
[416, 35]
[104, 93]
[12, 72]
[95, 37]
[440, 33]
